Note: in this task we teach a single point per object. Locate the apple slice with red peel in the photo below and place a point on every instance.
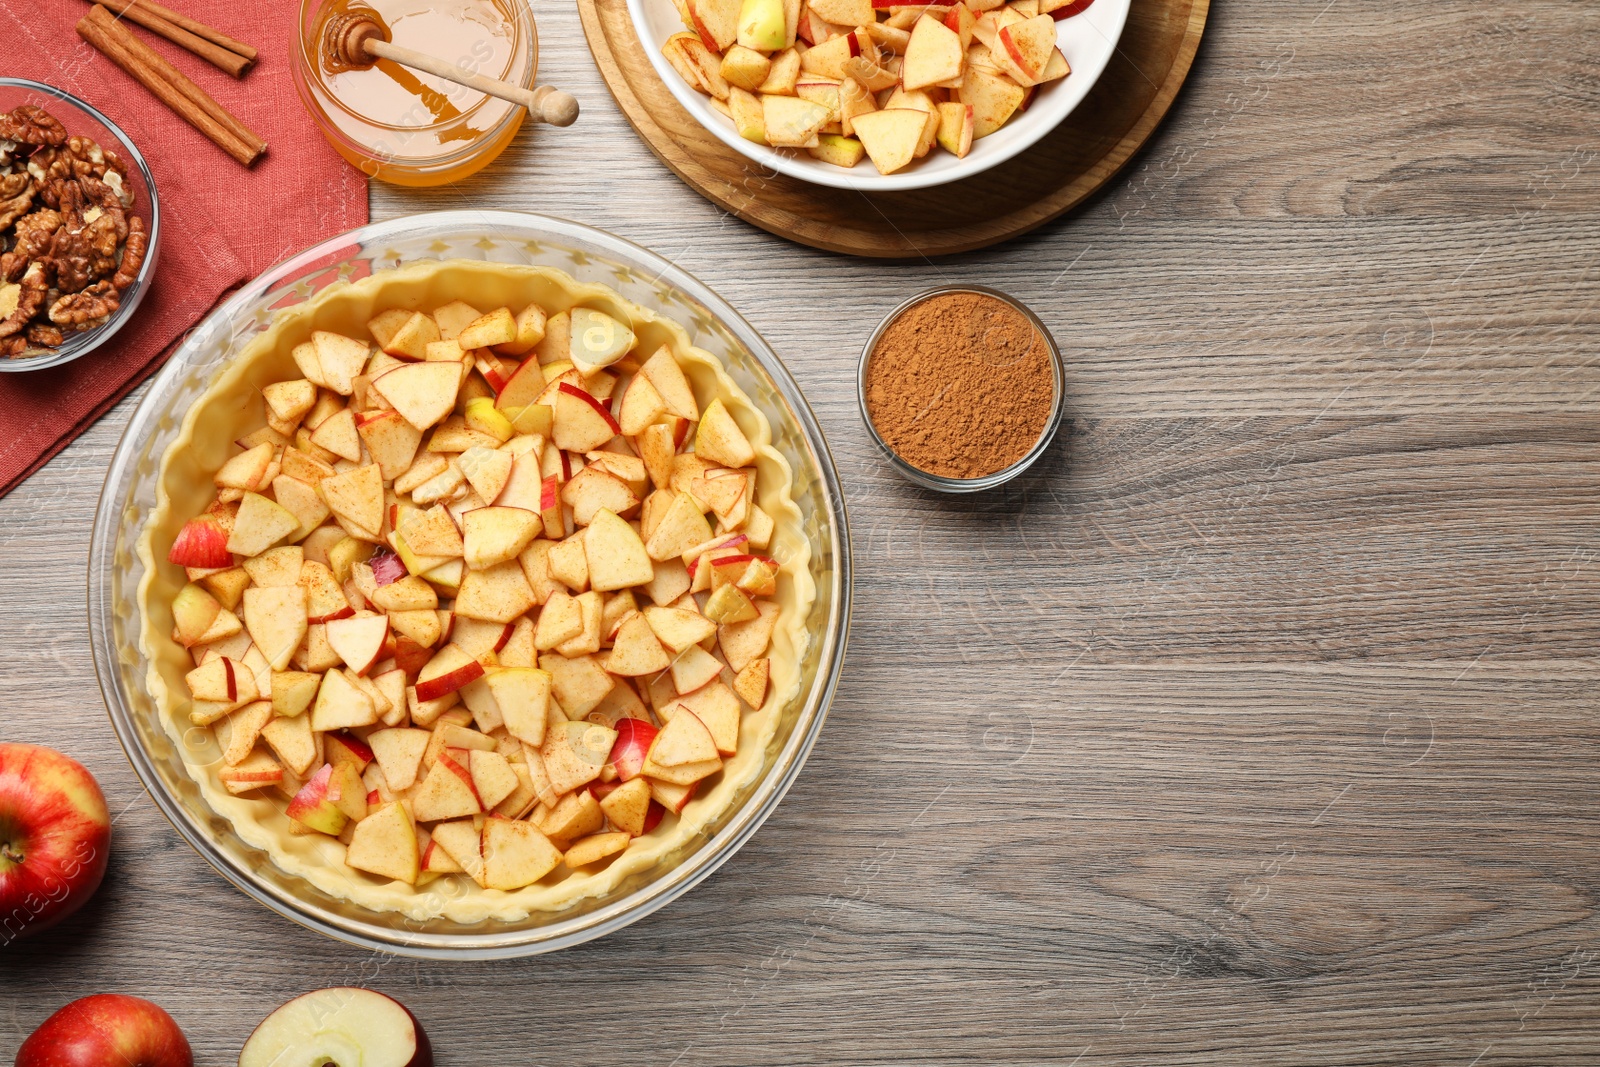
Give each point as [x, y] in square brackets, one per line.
[359, 640]
[582, 422]
[1029, 44]
[314, 808]
[342, 747]
[447, 792]
[628, 752]
[446, 672]
[341, 1027]
[387, 568]
[201, 543]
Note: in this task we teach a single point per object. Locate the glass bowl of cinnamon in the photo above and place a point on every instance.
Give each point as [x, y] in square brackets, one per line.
[962, 387]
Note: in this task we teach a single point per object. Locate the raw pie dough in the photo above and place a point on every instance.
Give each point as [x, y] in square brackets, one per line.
[233, 407]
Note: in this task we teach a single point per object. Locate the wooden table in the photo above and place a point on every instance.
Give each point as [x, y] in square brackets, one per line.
[1257, 725]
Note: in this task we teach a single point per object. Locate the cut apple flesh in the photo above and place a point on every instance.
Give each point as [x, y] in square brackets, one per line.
[341, 1027]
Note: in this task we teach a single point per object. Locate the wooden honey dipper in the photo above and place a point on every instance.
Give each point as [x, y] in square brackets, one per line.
[357, 39]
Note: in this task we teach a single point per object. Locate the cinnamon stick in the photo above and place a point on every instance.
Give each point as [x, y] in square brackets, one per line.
[215, 54]
[191, 103]
[194, 26]
[153, 59]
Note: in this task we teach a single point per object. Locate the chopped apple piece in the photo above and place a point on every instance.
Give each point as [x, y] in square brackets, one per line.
[446, 792]
[339, 359]
[259, 525]
[718, 709]
[359, 640]
[492, 777]
[746, 641]
[693, 668]
[663, 372]
[498, 594]
[356, 499]
[515, 854]
[935, 54]
[579, 684]
[636, 651]
[616, 557]
[385, 844]
[523, 696]
[399, 753]
[341, 704]
[891, 137]
[596, 847]
[447, 672]
[463, 843]
[277, 621]
[678, 628]
[497, 534]
[293, 692]
[597, 340]
[423, 393]
[314, 808]
[627, 805]
[751, 683]
[684, 739]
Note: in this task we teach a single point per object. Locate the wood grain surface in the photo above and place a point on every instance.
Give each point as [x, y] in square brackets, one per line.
[1066, 167]
[1256, 725]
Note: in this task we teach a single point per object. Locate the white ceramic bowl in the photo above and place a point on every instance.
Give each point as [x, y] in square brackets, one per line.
[1087, 40]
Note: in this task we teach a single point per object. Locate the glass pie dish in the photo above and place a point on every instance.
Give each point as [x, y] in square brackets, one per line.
[130, 497]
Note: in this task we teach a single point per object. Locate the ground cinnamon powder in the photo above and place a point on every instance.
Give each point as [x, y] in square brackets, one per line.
[960, 385]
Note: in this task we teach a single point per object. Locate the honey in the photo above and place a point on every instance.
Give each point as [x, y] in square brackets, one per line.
[410, 127]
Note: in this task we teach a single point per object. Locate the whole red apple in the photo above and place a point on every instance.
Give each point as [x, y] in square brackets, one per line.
[107, 1029]
[55, 838]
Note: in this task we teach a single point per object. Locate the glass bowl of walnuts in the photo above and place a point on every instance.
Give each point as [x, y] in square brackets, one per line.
[80, 223]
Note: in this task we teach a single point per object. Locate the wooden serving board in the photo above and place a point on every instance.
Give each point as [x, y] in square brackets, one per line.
[1061, 171]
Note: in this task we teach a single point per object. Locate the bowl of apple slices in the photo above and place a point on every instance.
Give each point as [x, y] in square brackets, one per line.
[470, 585]
[877, 96]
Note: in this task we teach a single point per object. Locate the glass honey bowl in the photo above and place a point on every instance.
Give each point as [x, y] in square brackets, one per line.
[408, 127]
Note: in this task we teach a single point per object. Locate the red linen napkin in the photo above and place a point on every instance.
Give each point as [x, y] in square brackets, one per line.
[221, 224]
